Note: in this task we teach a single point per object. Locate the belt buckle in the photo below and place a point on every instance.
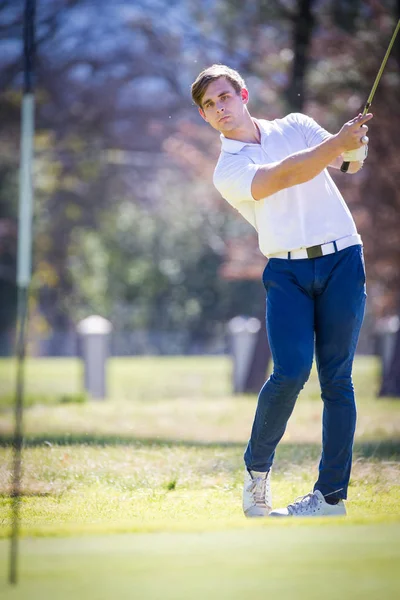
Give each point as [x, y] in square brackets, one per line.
[314, 251]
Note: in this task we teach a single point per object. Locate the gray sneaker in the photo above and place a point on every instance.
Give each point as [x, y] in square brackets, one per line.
[257, 499]
[311, 505]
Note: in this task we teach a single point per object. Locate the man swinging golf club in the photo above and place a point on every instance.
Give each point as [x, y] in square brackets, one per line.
[275, 174]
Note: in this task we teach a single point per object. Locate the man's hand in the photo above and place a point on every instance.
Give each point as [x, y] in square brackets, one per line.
[354, 167]
[351, 135]
[353, 132]
[358, 155]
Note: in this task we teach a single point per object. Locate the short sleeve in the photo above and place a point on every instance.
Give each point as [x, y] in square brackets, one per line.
[233, 177]
[313, 133]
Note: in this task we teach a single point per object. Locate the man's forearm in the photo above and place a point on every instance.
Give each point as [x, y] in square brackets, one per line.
[295, 169]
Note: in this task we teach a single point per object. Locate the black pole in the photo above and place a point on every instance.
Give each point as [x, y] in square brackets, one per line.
[23, 274]
[18, 434]
[29, 45]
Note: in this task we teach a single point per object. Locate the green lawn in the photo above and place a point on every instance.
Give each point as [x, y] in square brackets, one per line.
[306, 562]
[173, 399]
[161, 462]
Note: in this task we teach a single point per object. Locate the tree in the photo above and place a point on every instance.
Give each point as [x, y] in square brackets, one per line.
[91, 98]
[303, 25]
[243, 261]
[165, 277]
[374, 195]
[115, 129]
[8, 258]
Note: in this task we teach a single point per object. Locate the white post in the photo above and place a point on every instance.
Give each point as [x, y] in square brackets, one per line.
[94, 332]
[243, 336]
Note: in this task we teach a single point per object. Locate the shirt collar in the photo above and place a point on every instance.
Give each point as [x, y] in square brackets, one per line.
[235, 146]
[232, 146]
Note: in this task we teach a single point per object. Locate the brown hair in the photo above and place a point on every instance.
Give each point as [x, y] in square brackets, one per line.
[212, 73]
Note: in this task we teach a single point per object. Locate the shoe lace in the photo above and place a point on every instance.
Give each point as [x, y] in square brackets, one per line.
[258, 489]
[303, 504]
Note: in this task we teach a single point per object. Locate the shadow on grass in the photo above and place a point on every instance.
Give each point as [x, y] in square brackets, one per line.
[388, 449]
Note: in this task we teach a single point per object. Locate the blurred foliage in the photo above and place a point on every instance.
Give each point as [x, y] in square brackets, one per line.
[157, 269]
[127, 222]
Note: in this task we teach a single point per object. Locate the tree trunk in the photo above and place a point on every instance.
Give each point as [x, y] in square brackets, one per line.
[390, 385]
[8, 317]
[259, 363]
[303, 27]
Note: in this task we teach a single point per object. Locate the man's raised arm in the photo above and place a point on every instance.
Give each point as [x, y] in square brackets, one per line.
[305, 165]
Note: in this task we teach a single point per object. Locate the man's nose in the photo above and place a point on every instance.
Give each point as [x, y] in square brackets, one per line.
[220, 108]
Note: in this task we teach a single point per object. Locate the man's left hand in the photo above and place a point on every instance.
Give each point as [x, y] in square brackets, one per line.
[354, 166]
[357, 155]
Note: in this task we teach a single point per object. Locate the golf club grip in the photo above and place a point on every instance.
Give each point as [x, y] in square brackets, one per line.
[345, 166]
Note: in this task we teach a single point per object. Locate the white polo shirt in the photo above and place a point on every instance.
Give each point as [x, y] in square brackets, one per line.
[300, 216]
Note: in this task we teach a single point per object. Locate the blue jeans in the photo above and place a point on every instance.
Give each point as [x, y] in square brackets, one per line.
[317, 302]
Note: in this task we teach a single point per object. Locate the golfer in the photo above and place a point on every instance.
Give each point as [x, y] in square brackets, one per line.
[275, 174]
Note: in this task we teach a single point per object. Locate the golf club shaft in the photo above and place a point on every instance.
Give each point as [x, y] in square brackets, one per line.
[345, 165]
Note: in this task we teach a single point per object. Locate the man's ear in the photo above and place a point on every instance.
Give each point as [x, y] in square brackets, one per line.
[202, 113]
[244, 94]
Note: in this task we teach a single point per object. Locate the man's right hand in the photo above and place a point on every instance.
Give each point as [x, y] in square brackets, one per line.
[352, 132]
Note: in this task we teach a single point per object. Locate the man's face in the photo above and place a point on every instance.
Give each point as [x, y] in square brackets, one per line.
[223, 107]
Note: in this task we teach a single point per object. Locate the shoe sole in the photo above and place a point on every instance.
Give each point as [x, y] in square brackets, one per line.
[256, 512]
[280, 516]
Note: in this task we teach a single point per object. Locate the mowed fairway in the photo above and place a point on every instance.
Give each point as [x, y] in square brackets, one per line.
[304, 562]
[140, 495]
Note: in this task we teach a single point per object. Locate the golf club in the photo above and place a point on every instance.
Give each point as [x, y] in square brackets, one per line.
[345, 165]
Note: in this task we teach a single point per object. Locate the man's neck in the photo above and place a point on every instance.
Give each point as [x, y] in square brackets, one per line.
[249, 132]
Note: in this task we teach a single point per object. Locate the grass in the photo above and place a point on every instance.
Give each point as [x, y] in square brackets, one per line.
[285, 563]
[174, 399]
[163, 456]
[147, 488]
[141, 378]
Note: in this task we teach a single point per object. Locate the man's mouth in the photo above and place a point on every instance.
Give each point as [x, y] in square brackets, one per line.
[222, 119]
